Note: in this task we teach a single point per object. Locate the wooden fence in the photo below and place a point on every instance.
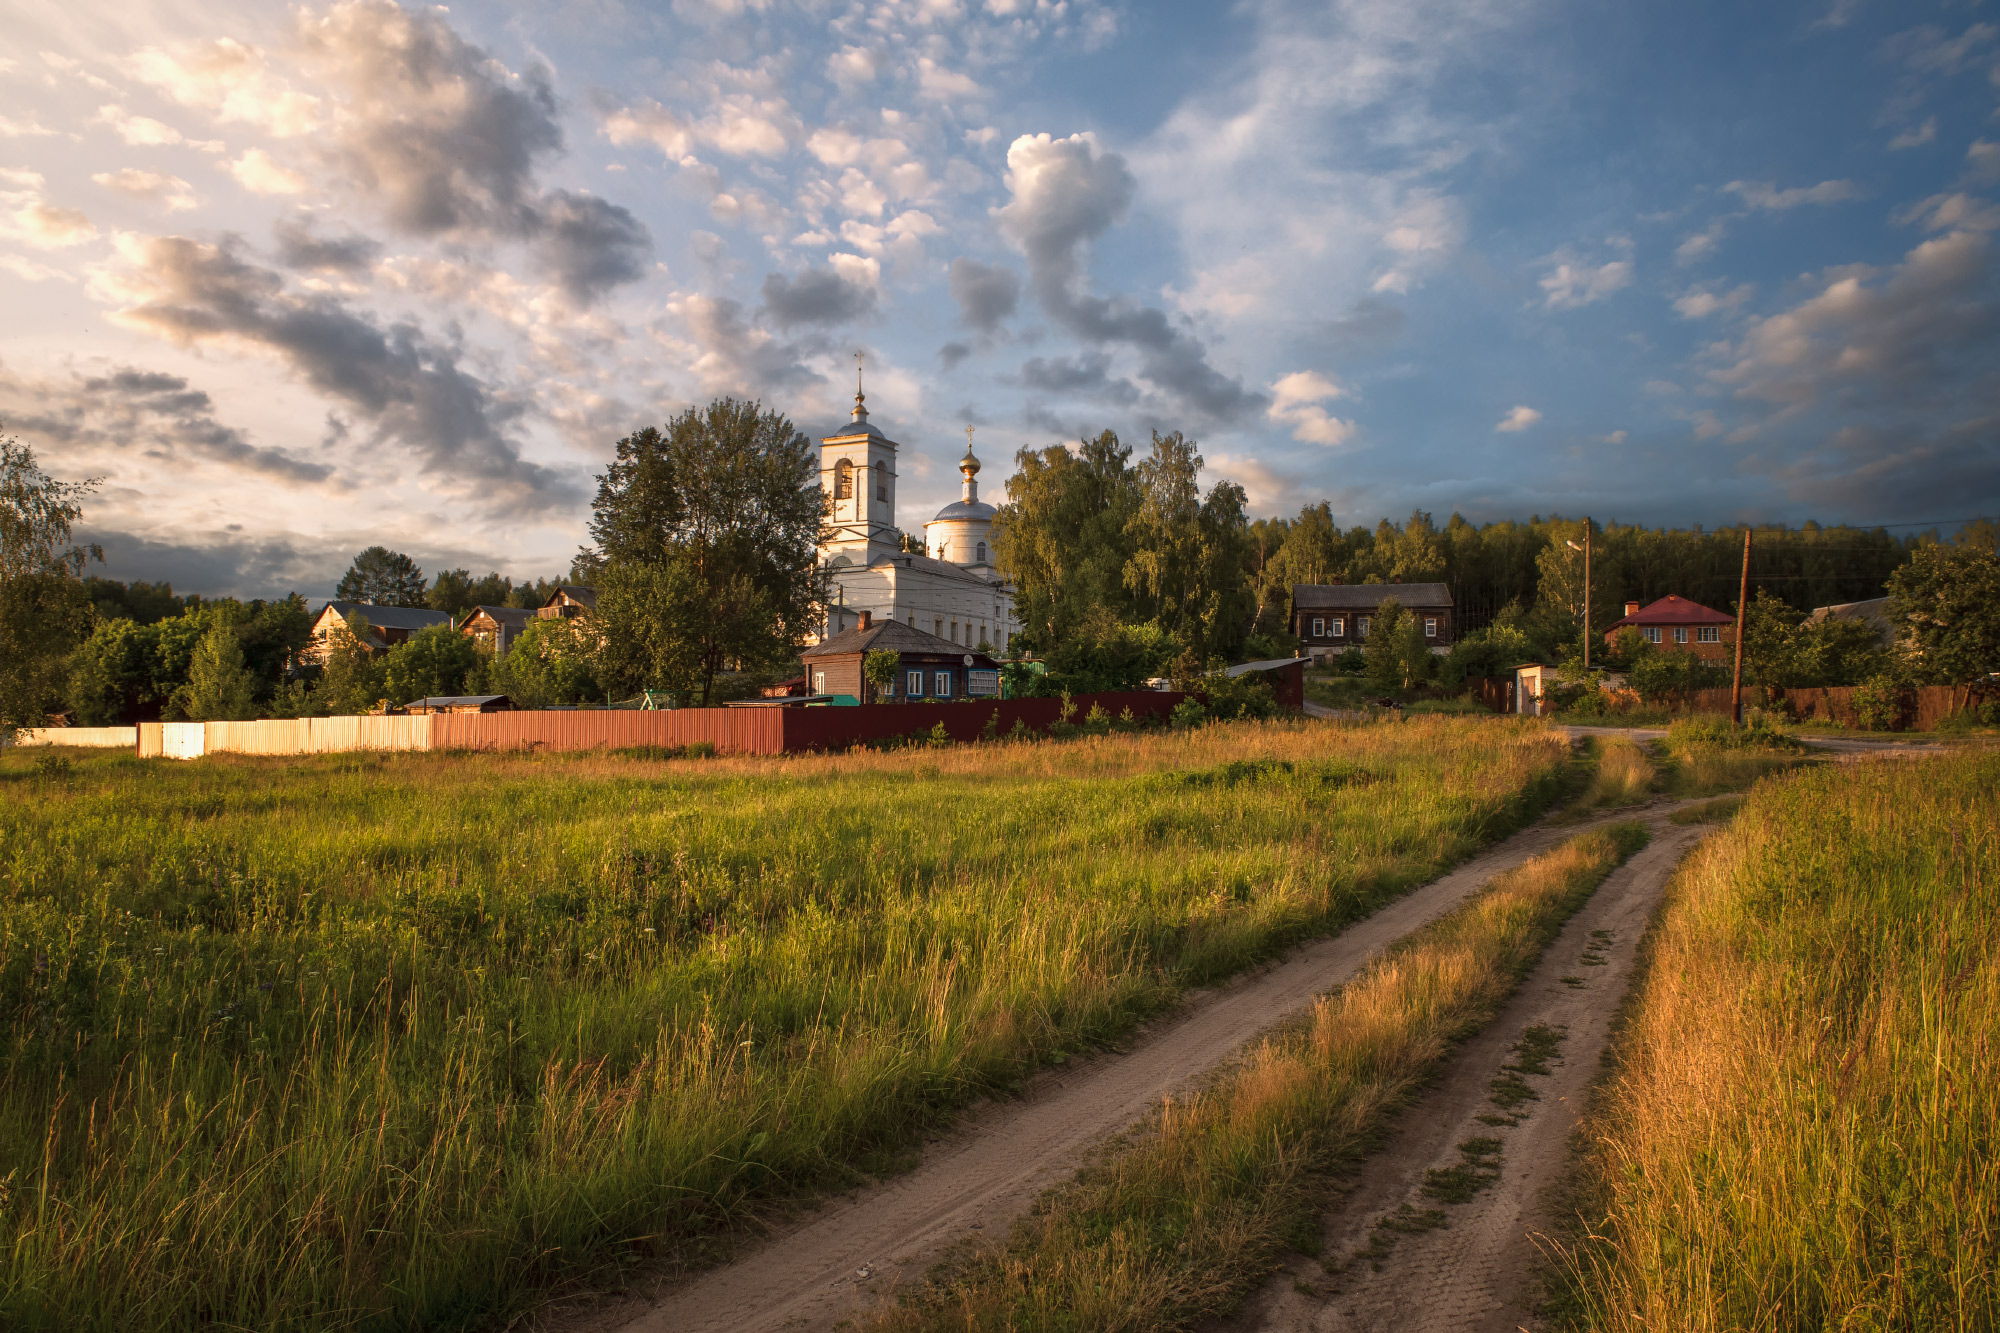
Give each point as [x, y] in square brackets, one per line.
[729, 730]
[96, 738]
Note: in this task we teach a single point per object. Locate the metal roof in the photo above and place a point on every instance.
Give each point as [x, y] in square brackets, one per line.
[1674, 610]
[389, 617]
[457, 701]
[889, 636]
[515, 616]
[577, 592]
[1269, 664]
[1367, 596]
[964, 510]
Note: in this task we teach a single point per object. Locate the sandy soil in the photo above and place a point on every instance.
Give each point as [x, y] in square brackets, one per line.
[1466, 1266]
[852, 1251]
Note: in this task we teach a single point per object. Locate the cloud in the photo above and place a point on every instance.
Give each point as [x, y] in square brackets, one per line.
[951, 353]
[145, 132]
[30, 128]
[1928, 49]
[258, 173]
[1916, 136]
[154, 413]
[1296, 401]
[232, 82]
[1982, 161]
[1575, 281]
[738, 124]
[27, 270]
[412, 390]
[1924, 332]
[1765, 195]
[590, 246]
[300, 249]
[1065, 194]
[1702, 243]
[26, 216]
[154, 187]
[1616, 437]
[731, 354]
[1520, 418]
[1701, 302]
[817, 296]
[1086, 374]
[985, 295]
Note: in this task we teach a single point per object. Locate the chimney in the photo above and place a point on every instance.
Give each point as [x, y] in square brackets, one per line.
[1631, 609]
[867, 619]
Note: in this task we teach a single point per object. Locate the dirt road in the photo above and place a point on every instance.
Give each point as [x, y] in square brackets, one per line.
[990, 1169]
[1464, 1266]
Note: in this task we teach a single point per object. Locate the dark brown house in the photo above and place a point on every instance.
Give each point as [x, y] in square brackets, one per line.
[495, 628]
[1333, 617]
[931, 668]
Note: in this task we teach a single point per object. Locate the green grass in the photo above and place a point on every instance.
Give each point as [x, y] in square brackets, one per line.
[1179, 1224]
[404, 1041]
[1802, 1131]
[1719, 811]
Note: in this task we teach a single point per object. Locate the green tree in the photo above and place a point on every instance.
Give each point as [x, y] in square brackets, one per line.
[707, 539]
[433, 661]
[1949, 597]
[1784, 648]
[879, 669]
[455, 591]
[45, 611]
[1062, 536]
[1187, 566]
[219, 687]
[382, 577]
[1383, 648]
[550, 662]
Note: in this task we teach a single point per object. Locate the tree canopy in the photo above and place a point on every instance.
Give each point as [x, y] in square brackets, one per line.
[382, 577]
[44, 608]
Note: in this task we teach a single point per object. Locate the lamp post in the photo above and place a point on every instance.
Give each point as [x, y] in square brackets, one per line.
[1585, 548]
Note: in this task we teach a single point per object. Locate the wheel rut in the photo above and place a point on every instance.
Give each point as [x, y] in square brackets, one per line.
[843, 1256]
[1440, 1229]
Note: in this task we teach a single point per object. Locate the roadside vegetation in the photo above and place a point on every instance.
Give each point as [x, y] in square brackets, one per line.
[393, 1041]
[1800, 1131]
[1183, 1221]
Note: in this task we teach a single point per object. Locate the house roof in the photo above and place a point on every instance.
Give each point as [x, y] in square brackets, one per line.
[577, 593]
[457, 701]
[1674, 610]
[924, 564]
[890, 636]
[515, 617]
[389, 617]
[1366, 596]
[1270, 664]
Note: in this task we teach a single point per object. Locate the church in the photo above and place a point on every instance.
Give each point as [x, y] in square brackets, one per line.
[952, 590]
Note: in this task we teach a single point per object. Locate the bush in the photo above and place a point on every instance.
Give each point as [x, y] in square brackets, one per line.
[1187, 713]
[1879, 704]
[1673, 677]
[1756, 733]
[1351, 662]
[692, 750]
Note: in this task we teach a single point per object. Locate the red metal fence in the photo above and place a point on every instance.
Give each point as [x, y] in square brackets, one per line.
[730, 730]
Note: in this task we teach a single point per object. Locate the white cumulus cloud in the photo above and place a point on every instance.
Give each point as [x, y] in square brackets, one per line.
[1298, 401]
[1519, 419]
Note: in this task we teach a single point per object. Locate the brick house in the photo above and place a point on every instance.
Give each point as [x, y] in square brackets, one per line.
[1330, 618]
[1678, 625]
[932, 668]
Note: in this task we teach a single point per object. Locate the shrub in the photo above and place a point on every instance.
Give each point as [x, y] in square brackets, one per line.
[1187, 713]
[1756, 733]
[1879, 704]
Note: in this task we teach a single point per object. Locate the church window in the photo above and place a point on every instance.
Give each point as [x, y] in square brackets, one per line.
[937, 626]
[954, 631]
[843, 480]
[914, 686]
[982, 553]
[882, 481]
[943, 683]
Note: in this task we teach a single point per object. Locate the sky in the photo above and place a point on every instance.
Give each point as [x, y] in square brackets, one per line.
[297, 280]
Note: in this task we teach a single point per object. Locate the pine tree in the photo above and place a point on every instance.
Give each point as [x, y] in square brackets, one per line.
[219, 688]
[382, 577]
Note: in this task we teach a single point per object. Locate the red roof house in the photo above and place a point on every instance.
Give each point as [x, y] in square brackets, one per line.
[1676, 623]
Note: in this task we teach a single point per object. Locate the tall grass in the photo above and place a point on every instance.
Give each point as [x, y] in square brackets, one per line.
[1184, 1222]
[371, 1042]
[1624, 775]
[1803, 1134]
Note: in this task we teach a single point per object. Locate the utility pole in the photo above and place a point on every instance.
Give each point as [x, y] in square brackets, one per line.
[1742, 614]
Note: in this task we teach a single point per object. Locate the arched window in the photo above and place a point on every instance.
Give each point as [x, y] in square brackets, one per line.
[881, 481]
[843, 480]
[982, 553]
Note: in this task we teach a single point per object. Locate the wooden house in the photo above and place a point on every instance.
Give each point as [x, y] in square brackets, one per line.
[387, 625]
[931, 668]
[1677, 625]
[1330, 618]
[567, 601]
[495, 628]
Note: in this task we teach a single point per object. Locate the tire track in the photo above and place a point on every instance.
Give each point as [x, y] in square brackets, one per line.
[990, 1168]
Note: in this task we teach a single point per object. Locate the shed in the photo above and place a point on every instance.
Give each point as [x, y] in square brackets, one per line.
[1285, 675]
[931, 668]
[460, 703]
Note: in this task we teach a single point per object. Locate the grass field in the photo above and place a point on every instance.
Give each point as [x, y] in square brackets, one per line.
[1802, 1133]
[1188, 1219]
[372, 1042]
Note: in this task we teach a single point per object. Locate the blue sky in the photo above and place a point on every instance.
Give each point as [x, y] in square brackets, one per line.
[294, 281]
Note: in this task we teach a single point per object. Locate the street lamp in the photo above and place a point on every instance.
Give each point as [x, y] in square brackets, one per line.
[1585, 548]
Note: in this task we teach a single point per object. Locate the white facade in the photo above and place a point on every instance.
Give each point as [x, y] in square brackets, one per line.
[953, 591]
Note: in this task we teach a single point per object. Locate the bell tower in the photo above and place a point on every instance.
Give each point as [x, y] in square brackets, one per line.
[857, 469]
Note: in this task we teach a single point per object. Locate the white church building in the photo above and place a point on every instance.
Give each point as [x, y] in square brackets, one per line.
[952, 590]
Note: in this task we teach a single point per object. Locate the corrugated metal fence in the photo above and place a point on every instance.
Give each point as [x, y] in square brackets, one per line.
[96, 738]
